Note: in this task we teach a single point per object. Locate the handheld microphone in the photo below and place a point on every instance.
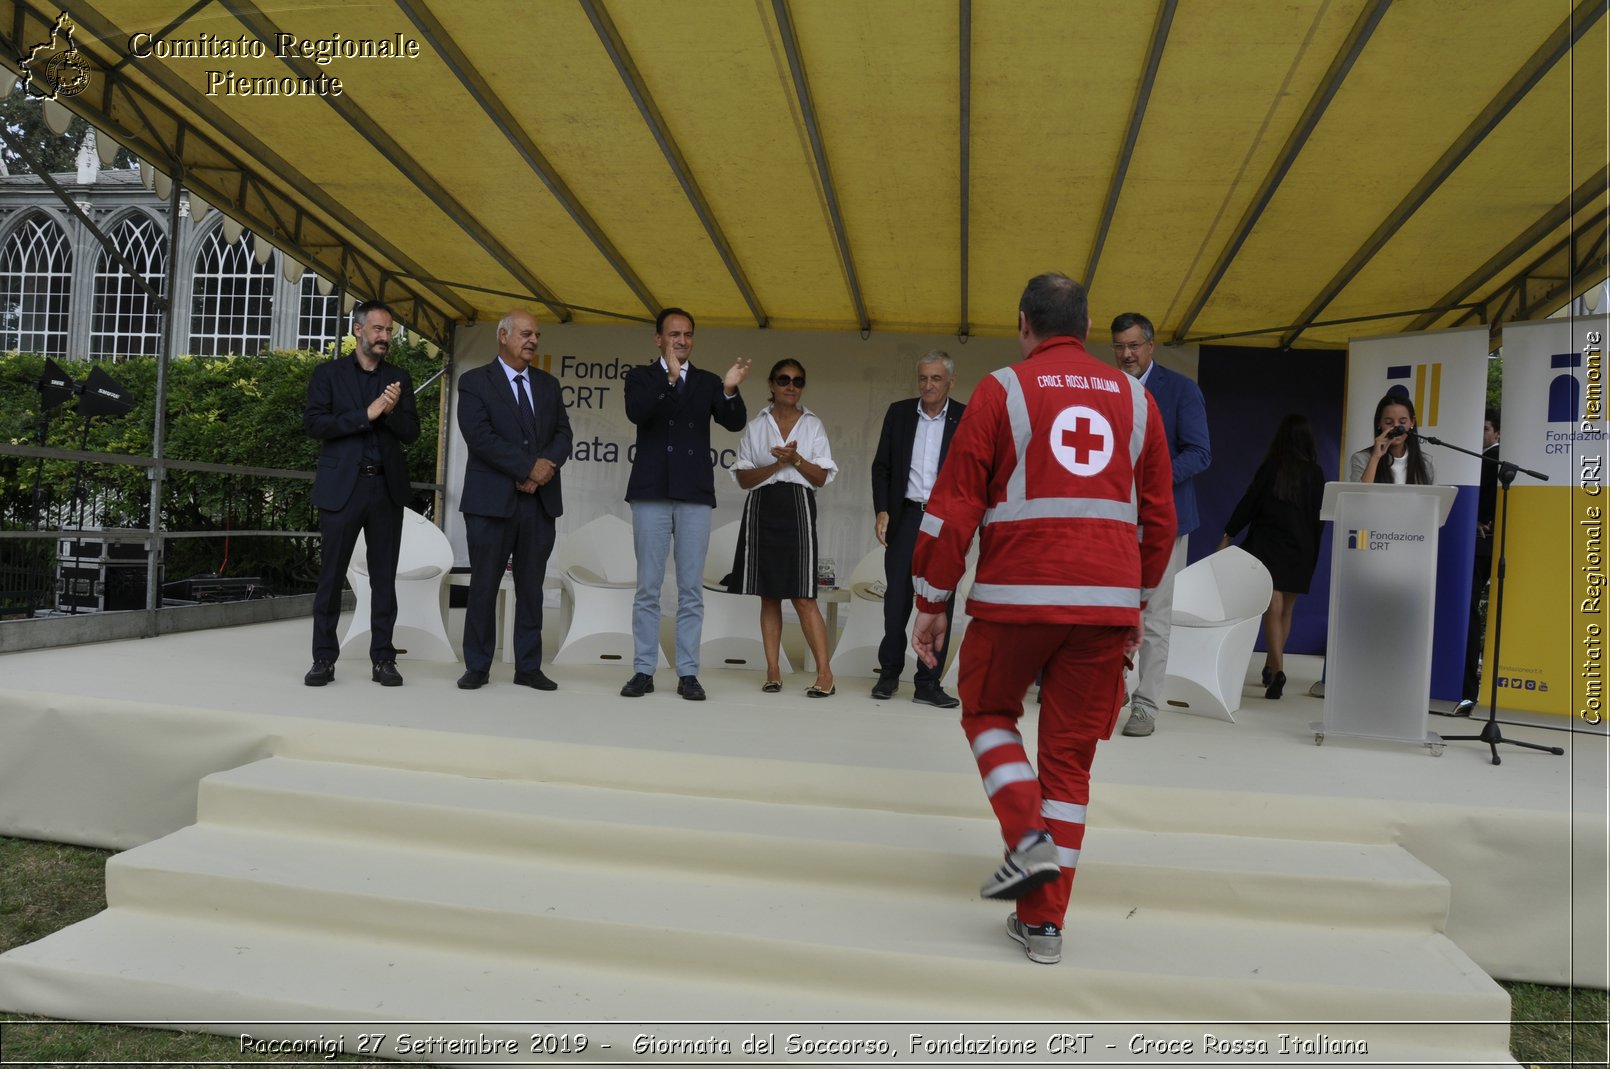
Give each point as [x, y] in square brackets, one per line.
[1396, 432]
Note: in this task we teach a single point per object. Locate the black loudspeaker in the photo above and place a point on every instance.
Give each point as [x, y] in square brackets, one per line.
[103, 396]
[56, 387]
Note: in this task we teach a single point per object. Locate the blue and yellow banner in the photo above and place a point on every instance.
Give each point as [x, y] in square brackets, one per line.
[1551, 656]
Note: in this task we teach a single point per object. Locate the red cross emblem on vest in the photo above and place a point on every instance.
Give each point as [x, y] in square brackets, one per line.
[1082, 440]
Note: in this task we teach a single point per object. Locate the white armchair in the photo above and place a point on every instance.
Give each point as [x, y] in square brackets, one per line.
[423, 562]
[598, 570]
[1218, 605]
[856, 655]
[731, 635]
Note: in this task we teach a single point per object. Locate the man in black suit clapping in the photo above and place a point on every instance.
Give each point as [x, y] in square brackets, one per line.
[362, 411]
[916, 434]
[517, 435]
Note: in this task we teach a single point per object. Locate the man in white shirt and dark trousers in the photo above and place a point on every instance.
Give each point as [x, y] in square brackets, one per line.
[916, 434]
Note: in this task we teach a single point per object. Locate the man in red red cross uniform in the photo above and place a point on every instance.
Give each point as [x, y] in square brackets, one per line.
[1062, 464]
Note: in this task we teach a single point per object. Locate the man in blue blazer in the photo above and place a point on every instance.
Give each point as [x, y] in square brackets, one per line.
[517, 437]
[916, 435]
[672, 492]
[361, 409]
[1185, 419]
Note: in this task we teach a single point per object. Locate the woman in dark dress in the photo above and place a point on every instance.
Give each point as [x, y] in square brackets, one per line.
[783, 459]
[1281, 513]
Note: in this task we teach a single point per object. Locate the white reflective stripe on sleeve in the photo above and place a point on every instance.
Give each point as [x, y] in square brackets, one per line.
[1068, 812]
[1006, 775]
[931, 525]
[1100, 596]
[1137, 433]
[1017, 411]
[988, 740]
[1057, 508]
[1067, 857]
[928, 590]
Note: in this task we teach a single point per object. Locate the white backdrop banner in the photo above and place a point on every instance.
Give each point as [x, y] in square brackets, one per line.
[850, 383]
[1444, 373]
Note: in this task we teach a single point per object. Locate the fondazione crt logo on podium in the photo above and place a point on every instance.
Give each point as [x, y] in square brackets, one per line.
[55, 69]
[1365, 539]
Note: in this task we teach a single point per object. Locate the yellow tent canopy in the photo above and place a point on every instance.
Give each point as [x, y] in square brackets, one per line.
[1272, 170]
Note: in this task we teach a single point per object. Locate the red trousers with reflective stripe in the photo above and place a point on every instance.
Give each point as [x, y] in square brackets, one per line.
[1081, 670]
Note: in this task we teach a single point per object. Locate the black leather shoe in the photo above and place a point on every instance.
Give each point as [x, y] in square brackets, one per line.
[885, 687]
[320, 674]
[534, 679]
[386, 674]
[689, 688]
[933, 695]
[473, 680]
[1277, 685]
[640, 684]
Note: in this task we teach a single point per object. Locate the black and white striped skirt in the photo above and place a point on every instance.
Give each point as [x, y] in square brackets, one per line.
[776, 556]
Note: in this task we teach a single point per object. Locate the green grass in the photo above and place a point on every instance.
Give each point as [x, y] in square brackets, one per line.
[47, 886]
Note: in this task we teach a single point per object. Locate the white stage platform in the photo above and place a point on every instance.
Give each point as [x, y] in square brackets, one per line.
[1206, 840]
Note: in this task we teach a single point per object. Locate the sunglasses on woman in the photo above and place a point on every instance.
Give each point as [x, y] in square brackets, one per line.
[790, 380]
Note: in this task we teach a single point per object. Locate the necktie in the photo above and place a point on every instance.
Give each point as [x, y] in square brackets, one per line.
[528, 415]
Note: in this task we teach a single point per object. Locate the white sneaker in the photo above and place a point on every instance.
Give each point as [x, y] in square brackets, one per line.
[1140, 722]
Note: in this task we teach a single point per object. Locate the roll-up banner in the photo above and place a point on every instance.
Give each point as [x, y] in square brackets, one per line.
[1553, 623]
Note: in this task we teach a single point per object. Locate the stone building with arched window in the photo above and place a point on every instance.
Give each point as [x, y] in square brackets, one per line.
[62, 294]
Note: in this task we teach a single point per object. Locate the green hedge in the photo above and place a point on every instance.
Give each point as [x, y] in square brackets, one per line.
[244, 410]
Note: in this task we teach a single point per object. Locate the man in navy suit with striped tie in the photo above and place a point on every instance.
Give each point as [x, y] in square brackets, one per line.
[518, 436]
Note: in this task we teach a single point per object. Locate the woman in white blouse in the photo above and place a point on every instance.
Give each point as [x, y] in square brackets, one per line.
[783, 460]
[1395, 456]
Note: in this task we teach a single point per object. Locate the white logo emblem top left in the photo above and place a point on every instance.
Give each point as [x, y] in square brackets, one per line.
[1082, 440]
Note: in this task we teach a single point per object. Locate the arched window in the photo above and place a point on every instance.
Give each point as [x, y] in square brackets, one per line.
[318, 320]
[36, 271]
[126, 321]
[233, 301]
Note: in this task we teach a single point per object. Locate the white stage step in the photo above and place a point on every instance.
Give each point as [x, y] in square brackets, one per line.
[915, 853]
[342, 893]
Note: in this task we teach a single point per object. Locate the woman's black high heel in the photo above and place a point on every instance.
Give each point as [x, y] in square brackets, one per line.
[1268, 675]
[1276, 684]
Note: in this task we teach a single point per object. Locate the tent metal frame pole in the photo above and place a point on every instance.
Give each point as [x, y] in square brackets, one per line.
[1551, 221]
[824, 172]
[267, 31]
[159, 412]
[1556, 48]
[1359, 36]
[609, 36]
[207, 176]
[501, 117]
[964, 80]
[1137, 116]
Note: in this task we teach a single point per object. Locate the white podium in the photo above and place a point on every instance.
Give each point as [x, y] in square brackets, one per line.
[1383, 589]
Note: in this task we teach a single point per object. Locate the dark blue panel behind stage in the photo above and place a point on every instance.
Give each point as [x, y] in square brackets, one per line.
[1248, 392]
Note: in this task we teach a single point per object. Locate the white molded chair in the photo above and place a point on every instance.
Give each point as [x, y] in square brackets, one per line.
[856, 655]
[1218, 606]
[599, 576]
[423, 562]
[731, 636]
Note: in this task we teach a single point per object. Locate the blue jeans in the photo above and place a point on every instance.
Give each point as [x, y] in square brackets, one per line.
[655, 525]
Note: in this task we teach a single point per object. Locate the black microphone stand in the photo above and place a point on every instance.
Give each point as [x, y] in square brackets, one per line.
[1490, 733]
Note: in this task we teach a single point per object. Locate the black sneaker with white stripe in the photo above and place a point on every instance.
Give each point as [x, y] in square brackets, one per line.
[1024, 870]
